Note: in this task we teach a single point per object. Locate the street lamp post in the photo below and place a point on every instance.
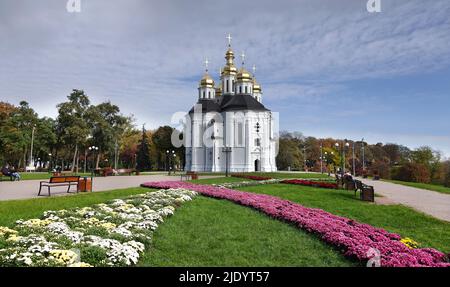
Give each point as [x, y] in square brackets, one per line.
[93, 149]
[363, 157]
[169, 154]
[321, 157]
[353, 157]
[32, 144]
[50, 162]
[344, 145]
[227, 151]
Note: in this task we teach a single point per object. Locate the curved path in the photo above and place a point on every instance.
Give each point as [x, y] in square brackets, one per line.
[430, 202]
[29, 188]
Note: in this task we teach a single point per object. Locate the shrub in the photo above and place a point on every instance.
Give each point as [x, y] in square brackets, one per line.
[447, 178]
[414, 172]
[382, 169]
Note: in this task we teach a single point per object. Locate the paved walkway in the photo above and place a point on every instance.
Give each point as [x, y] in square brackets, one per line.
[29, 188]
[430, 202]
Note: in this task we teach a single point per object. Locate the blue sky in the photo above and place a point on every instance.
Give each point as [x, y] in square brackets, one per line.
[329, 68]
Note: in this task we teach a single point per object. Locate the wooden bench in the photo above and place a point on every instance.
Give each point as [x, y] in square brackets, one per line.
[107, 171]
[68, 181]
[189, 176]
[7, 177]
[366, 192]
[125, 171]
[186, 177]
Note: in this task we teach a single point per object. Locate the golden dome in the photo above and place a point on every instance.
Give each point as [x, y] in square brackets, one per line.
[244, 76]
[229, 70]
[256, 86]
[207, 81]
[218, 92]
[229, 54]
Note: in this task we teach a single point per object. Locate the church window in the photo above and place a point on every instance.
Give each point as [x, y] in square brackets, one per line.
[246, 89]
[240, 89]
[203, 94]
[209, 95]
[240, 132]
[228, 86]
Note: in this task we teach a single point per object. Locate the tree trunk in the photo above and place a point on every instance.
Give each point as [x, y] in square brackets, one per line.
[98, 161]
[74, 159]
[85, 160]
[78, 161]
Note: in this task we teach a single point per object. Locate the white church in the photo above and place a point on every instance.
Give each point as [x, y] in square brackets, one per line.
[229, 128]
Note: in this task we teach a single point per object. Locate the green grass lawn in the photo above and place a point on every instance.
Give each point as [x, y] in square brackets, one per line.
[428, 186]
[428, 231]
[292, 174]
[210, 232]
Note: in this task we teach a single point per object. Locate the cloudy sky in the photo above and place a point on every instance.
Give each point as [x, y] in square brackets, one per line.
[329, 68]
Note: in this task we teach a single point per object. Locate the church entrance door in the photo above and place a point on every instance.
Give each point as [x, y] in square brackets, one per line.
[257, 165]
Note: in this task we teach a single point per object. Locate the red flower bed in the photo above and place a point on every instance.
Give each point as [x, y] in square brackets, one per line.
[311, 183]
[252, 177]
[356, 240]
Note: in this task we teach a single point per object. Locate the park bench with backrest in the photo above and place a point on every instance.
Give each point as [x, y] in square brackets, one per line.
[55, 181]
[366, 192]
[189, 175]
[126, 171]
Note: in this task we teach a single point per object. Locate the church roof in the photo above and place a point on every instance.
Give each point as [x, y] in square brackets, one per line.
[242, 102]
[207, 106]
[239, 102]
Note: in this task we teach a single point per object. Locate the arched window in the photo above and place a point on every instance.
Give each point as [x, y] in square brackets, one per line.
[228, 86]
[246, 89]
[209, 95]
[240, 89]
[203, 94]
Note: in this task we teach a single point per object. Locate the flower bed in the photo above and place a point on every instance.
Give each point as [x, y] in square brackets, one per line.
[356, 240]
[311, 183]
[252, 177]
[115, 233]
[247, 183]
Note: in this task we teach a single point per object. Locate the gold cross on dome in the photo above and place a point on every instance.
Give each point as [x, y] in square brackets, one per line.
[254, 69]
[243, 58]
[229, 40]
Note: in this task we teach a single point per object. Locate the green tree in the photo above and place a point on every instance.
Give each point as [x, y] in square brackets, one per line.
[73, 129]
[108, 126]
[162, 139]
[143, 155]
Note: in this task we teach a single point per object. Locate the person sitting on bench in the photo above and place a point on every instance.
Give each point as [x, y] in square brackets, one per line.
[6, 171]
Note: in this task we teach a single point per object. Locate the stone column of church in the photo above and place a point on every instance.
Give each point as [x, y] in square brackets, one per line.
[196, 143]
[248, 144]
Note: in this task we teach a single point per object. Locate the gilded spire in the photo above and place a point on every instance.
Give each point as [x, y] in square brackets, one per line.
[229, 68]
[256, 86]
[206, 80]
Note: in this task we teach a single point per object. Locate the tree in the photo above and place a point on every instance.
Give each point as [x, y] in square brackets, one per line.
[162, 139]
[108, 126]
[143, 155]
[72, 125]
[289, 155]
[20, 125]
